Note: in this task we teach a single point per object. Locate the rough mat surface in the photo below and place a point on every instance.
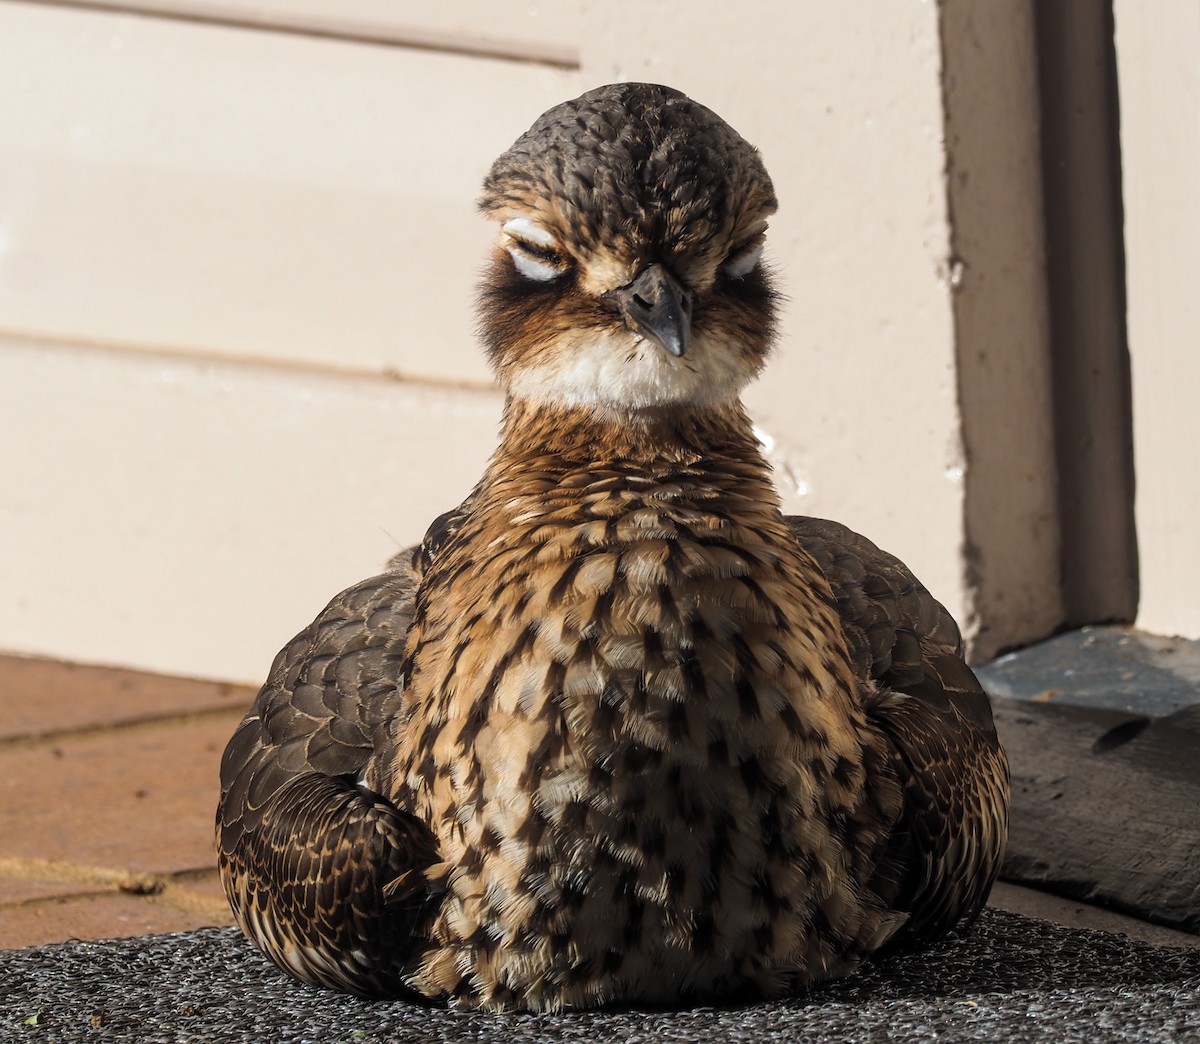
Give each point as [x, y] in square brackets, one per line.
[1010, 979]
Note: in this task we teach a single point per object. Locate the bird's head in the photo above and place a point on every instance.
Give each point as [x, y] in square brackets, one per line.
[627, 275]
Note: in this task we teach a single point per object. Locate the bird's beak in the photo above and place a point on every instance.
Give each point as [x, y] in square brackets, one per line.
[657, 306]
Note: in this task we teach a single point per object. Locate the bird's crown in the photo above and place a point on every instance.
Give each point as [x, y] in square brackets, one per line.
[627, 273]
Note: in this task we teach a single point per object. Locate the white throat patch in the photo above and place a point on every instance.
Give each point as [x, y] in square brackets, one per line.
[622, 370]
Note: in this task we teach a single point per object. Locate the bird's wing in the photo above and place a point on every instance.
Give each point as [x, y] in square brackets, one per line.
[920, 693]
[893, 624]
[308, 857]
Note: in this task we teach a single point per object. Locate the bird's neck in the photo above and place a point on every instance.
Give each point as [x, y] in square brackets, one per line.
[571, 437]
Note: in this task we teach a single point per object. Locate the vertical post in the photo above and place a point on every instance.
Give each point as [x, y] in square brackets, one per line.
[1081, 171]
[993, 167]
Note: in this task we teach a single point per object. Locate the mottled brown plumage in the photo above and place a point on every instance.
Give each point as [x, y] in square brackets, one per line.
[617, 730]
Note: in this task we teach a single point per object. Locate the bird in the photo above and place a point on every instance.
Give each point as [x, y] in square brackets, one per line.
[617, 731]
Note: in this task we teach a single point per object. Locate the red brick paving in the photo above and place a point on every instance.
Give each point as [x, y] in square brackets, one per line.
[108, 784]
[43, 696]
[106, 915]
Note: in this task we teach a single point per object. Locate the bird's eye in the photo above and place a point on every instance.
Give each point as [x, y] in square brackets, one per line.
[742, 260]
[533, 250]
[535, 262]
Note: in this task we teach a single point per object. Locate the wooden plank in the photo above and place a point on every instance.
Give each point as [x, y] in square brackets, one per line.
[548, 32]
[1003, 358]
[1105, 806]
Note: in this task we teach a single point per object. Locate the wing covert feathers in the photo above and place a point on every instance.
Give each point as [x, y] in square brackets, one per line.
[947, 848]
[326, 876]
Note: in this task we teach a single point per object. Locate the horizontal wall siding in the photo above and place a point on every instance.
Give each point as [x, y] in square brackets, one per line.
[225, 225]
[190, 187]
[543, 31]
[190, 516]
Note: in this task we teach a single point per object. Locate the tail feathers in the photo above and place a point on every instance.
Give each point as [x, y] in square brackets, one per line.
[947, 847]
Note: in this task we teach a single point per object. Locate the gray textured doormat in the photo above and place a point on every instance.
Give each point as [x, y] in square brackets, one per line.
[1010, 978]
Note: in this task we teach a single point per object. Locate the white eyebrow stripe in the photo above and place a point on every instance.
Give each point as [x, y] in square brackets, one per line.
[532, 268]
[529, 230]
[744, 263]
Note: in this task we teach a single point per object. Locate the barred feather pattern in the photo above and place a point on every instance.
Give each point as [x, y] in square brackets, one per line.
[633, 723]
[617, 730]
[937, 722]
[326, 877]
[629, 735]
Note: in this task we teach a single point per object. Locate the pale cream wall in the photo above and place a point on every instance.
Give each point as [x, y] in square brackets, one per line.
[247, 193]
[1158, 60]
[214, 243]
[173, 513]
[218, 238]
